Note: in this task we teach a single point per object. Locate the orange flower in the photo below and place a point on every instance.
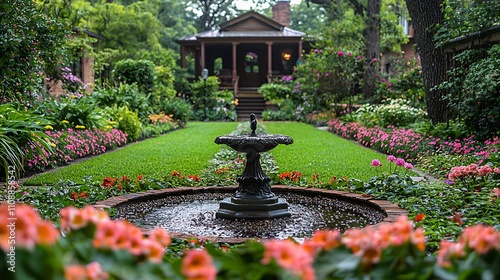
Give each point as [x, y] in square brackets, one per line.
[197, 264]
[23, 223]
[92, 271]
[290, 256]
[176, 174]
[328, 239]
[161, 236]
[47, 234]
[153, 250]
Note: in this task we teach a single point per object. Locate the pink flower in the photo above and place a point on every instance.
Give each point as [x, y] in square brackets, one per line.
[391, 158]
[376, 163]
[408, 165]
[400, 162]
[340, 53]
[375, 59]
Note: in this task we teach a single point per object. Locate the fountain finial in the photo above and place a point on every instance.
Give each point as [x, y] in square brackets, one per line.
[253, 123]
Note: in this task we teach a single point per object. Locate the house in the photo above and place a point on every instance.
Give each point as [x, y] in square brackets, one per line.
[246, 52]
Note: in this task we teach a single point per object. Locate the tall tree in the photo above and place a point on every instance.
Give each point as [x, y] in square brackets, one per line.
[212, 12]
[426, 16]
[372, 46]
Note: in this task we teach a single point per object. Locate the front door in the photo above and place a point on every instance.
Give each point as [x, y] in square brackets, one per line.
[253, 68]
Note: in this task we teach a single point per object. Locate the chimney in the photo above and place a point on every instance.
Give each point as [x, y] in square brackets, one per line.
[281, 12]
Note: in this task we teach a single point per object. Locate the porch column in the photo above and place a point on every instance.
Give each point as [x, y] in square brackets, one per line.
[299, 56]
[234, 71]
[183, 56]
[269, 61]
[202, 55]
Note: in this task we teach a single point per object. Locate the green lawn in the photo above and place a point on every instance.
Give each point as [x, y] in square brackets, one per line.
[317, 151]
[189, 150]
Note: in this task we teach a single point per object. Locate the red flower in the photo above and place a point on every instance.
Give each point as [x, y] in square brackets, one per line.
[333, 179]
[419, 217]
[108, 182]
[83, 195]
[194, 177]
[176, 174]
[285, 175]
[74, 196]
[139, 177]
[457, 218]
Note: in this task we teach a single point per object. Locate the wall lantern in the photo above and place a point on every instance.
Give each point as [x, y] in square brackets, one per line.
[286, 55]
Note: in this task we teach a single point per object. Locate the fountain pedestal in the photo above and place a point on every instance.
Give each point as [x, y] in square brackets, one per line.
[254, 198]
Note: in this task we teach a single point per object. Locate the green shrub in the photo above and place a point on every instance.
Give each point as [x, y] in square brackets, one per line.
[397, 112]
[180, 109]
[140, 72]
[206, 98]
[72, 112]
[481, 98]
[19, 132]
[327, 77]
[127, 120]
[276, 93]
[124, 95]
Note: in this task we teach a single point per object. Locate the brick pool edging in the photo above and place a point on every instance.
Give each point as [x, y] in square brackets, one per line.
[392, 210]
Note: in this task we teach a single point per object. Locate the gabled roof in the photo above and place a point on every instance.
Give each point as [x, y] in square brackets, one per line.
[251, 16]
[248, 25]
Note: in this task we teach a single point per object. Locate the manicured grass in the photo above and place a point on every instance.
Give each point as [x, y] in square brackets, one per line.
[322, 152]
[187, 150]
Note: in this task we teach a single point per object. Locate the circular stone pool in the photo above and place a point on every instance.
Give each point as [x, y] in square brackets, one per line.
[190, 212]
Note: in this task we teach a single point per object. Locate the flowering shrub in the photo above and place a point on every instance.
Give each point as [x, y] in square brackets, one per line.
[70, 144]
[396, 112]
[94, 247]
[327, 76]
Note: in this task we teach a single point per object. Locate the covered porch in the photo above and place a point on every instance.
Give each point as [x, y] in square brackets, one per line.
[245, 52]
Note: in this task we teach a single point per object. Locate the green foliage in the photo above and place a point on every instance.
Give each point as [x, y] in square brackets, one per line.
[207, 99]
[127, 120]
[405, 81]
[123, 95]
[393, 112]
[277, 93]
[20, 131]
[180, 109]
[288, 111]
[451, 129]
[140, 72]
[327, 76]
[466, 17]
[32, 43]
[474, 91]
[73, 111]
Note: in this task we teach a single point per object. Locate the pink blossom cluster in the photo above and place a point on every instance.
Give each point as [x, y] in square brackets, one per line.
[367, 243]
[116, 235]
[70, 144]
[480, 239]
[471, 171]
[407, 143]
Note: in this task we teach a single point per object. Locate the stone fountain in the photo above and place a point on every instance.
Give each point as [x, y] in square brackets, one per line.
[254, 198]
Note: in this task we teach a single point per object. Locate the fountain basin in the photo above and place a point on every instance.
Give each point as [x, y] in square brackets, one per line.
[311, 209]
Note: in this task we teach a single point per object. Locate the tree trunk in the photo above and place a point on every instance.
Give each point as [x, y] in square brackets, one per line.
[372, 48]
[425, 15]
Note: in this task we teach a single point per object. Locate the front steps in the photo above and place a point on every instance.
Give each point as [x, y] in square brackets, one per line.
[249, 102]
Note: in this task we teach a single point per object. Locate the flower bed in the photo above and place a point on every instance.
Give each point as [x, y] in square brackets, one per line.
[91, 246]
[407, 143]
[70, 144]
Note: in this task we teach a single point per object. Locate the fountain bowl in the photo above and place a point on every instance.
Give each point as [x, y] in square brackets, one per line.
[135, 206]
